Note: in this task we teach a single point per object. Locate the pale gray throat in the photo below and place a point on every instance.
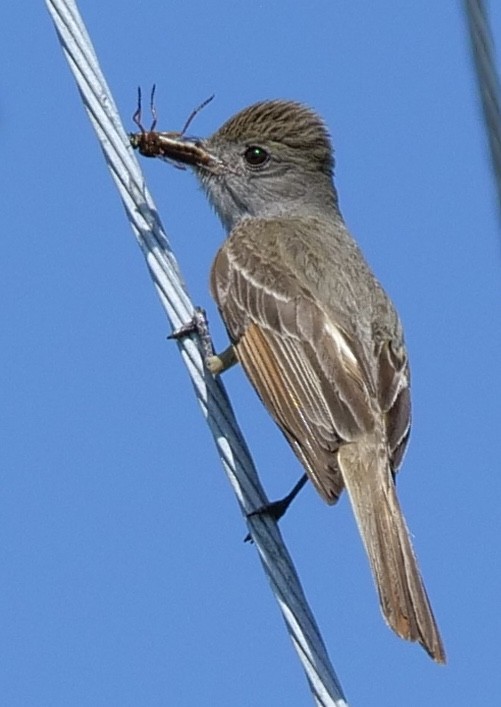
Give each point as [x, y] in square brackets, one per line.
[233, 203]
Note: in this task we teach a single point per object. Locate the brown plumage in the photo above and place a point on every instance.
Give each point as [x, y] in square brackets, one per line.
[344, 411]
[315, 332]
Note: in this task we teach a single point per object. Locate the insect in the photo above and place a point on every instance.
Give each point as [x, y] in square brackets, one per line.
[167, 145]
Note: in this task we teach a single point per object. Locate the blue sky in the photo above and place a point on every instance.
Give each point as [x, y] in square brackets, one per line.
[124, 579]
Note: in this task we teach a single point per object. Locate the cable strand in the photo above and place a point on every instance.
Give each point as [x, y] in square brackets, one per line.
[482, 46]
[211, 395]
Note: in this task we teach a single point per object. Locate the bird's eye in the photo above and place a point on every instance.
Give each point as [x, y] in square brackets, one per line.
[256, 156]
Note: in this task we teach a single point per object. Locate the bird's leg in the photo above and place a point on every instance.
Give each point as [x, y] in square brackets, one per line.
[277, 509]
[216, 364]
[219, 363]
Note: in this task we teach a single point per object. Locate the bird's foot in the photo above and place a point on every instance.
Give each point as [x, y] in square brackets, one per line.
[277, 509]
[197, 325]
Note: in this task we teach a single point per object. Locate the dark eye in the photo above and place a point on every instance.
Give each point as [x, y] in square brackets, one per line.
[256, 156]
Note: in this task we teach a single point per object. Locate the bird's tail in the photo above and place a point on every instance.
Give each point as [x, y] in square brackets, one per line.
[404, 602]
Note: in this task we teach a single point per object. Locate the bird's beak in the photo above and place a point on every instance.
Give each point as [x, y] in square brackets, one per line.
[177, 148]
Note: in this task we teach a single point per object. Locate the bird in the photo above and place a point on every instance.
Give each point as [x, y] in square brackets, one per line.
[314, 330]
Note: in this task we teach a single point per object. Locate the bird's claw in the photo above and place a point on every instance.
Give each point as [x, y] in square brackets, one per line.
[200, 326]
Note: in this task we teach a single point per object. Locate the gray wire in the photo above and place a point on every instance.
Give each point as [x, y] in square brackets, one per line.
[488, 81]
[211, 395]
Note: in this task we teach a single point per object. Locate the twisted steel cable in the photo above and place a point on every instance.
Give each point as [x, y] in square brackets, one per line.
[211, 395]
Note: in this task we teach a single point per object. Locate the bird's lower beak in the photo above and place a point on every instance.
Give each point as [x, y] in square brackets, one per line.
[176, 148]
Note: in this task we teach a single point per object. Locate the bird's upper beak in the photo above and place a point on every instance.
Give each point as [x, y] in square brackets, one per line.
[177, 148]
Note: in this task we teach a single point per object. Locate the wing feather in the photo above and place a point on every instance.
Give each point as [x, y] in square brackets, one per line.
[307, 370]
[344, 410]
[294, 399]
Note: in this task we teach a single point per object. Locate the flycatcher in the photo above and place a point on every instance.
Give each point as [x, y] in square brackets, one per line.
[313, 329]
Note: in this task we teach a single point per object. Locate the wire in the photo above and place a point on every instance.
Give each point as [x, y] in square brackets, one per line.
[488, 81]
[211, 395]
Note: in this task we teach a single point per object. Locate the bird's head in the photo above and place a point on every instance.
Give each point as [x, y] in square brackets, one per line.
[273, 158]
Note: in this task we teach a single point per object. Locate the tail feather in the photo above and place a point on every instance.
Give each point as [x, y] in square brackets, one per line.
[366, 473]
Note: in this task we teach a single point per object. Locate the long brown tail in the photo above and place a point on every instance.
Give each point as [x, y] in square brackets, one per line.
[404, 602]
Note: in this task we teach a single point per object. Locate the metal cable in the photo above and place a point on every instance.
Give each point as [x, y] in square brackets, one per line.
[488, 81]
[211, 395]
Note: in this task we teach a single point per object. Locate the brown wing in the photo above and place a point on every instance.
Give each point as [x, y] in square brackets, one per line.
[348, 426]
[394, 398]
[305, 368]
